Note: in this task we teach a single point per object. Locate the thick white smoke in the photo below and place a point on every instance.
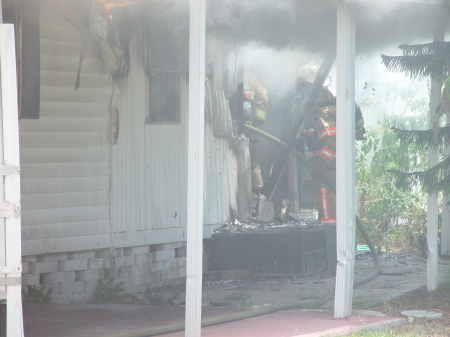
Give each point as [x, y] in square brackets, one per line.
[277, 69]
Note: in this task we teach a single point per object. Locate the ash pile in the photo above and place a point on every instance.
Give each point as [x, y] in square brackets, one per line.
[257, 226]
[304, 219]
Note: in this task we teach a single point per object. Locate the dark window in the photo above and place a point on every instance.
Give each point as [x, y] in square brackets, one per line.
[164, 97]
[163, 68]
[24, 14]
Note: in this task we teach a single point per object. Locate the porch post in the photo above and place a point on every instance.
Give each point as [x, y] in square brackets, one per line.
[2, 190]
[9, 171]
[196, 140]
[345, 161]
[433, 159]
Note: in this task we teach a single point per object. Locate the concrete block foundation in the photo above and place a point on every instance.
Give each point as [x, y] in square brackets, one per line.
[73, 277]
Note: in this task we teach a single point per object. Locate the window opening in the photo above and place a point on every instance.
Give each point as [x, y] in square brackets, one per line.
[164, 97]
[164, 73]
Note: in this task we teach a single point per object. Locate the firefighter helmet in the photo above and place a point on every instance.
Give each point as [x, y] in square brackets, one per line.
[309, 71]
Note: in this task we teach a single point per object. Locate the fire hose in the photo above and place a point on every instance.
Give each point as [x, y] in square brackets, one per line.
[273, 308]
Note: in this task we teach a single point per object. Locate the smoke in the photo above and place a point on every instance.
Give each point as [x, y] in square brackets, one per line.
[311, 24]
[306, 24]
[381, 23]
[377, 10]
[274, 38]
[243, 21]
[276, 68]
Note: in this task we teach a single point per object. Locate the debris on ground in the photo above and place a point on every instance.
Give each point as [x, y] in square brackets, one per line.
[253, 225]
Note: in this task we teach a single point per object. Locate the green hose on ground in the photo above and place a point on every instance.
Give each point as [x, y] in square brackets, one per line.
[273, 308]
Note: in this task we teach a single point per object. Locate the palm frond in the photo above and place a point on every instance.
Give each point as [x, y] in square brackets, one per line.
[432, 180]
[419, 66]
[424, 139]
[432, 48]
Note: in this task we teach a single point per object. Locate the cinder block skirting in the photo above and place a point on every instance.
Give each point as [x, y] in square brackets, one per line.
[73, 277]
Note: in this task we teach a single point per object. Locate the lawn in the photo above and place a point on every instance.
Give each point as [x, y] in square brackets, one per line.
[419, 299]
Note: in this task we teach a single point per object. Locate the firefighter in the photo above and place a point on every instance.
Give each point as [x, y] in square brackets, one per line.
[255, 105]
[320, 139]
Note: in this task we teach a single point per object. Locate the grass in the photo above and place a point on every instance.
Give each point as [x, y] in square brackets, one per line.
[378, 334]
[154, 297]
[419, 299]
[420, 329]
[234, 300]
[306, 297]
[362, 302]
[110, 292]
[387, 285]
[37, 294]
[239, 299]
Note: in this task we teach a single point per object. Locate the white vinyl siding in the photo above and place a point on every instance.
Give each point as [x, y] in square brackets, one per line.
[65, 154]
[149, 168]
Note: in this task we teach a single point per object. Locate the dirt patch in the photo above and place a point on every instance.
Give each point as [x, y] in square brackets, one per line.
[401, 273]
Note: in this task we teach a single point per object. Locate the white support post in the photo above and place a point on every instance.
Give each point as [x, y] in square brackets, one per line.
[432, 209]
[345, 161]
[2, 191]
[11, 181]
[2, 199]
[433, 159]
[445, 229]
[196, 138]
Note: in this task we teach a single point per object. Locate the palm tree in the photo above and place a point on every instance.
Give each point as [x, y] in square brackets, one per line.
[417, 62]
